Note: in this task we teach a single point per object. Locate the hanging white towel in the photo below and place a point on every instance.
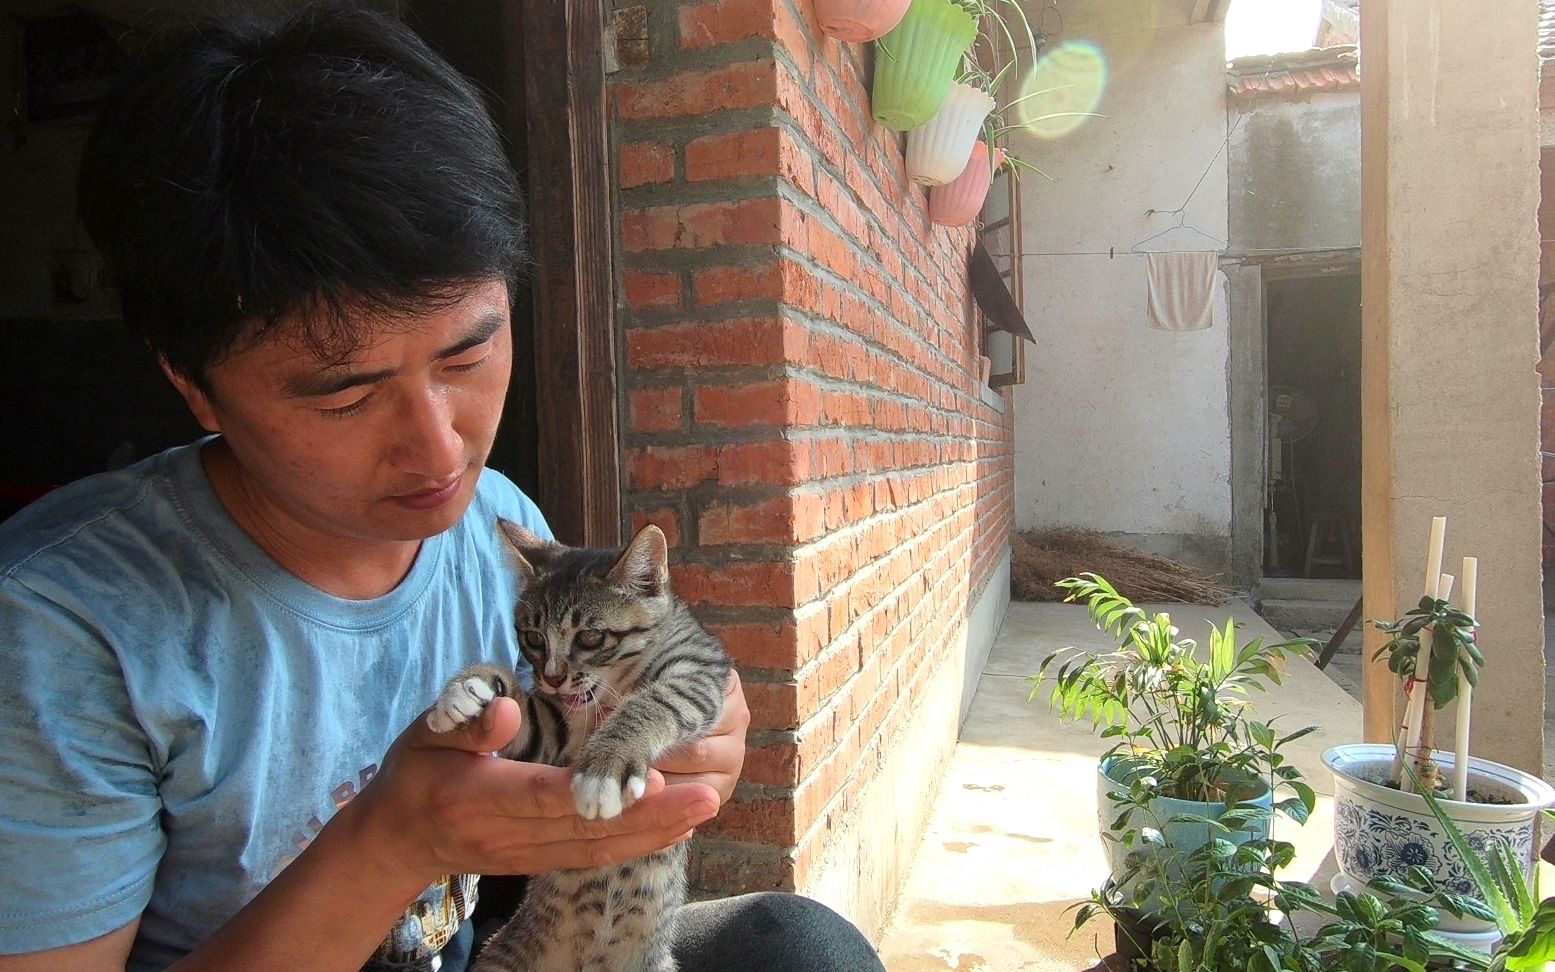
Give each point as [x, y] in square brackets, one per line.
[1182, 289]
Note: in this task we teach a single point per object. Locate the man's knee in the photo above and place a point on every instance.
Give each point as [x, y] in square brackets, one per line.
[771, 931]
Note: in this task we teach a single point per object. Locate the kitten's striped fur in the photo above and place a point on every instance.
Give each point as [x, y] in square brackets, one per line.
[623, 674]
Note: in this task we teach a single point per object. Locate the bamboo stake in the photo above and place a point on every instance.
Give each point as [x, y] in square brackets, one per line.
[1415, 707]
[1460, 751]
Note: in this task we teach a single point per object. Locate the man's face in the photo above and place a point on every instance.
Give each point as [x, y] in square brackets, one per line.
[383, 447]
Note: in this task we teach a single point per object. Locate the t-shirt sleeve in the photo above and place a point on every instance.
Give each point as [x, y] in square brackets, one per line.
[79, 834]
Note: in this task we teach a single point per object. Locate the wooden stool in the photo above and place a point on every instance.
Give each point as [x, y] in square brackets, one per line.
[1328, 543]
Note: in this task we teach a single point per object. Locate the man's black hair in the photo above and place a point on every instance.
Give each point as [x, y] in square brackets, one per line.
[326, 165]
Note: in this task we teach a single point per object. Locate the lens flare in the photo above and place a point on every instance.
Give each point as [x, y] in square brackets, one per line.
[1062, 90]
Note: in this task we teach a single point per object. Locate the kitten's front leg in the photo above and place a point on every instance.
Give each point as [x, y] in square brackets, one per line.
[611, 773]
[466, 695]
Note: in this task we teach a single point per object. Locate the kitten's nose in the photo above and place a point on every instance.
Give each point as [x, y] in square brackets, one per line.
[554, 681]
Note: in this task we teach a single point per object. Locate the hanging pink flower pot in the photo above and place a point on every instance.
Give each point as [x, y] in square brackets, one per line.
[957, 202]
[937, 150]
[857, 21]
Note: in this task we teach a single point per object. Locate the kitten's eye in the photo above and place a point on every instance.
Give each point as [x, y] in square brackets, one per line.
[533, 638]
[589, 638]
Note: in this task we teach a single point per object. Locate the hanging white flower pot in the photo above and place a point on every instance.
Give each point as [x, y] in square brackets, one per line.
[938, 150]
[859, 20]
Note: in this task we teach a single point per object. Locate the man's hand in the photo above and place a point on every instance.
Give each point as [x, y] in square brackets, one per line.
[441, 804]
[717, 759]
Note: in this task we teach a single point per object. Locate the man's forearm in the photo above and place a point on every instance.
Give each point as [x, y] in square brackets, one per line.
[328, 910]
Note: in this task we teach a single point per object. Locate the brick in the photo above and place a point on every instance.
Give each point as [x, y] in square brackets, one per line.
[766, 820]
[731, 867]
[718, 285]
[670, 467]
[722, 21]
[750, 222]
[787, 519]
[746, 85]
[734, 155]
[777, 462]
[651, 290]
[774, 765]
[741, 584]
[760, 644]
[666, 518]
[775, 403]
[645, 163]
[728, 343]
[656, 409]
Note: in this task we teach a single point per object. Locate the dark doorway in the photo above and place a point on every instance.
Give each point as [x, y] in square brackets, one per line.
[78, 394]
[1313, 489]
[486, 48]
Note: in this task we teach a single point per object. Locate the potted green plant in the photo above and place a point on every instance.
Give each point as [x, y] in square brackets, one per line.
[1188, 758]
[1382, 825]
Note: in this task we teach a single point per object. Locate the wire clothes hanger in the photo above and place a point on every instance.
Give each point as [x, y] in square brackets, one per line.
[1179, 225]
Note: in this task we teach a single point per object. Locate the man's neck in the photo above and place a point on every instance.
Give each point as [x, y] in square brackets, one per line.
[341, 566]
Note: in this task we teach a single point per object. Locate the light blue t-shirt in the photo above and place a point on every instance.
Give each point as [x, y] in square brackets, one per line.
[179, 715]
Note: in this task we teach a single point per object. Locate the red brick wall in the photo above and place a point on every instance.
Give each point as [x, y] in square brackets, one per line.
[802, 409]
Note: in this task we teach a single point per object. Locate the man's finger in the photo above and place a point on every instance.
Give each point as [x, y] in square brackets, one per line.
[568, 855]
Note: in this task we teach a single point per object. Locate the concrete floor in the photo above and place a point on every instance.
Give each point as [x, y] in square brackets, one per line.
[1013, 840]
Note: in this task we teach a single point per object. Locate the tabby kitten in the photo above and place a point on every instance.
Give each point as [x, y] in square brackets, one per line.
[623, 674]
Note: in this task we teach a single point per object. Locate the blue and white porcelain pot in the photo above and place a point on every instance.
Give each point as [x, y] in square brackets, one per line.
[1381, 831]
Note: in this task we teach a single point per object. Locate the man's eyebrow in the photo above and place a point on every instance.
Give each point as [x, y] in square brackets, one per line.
[485, 326]
[333, 380]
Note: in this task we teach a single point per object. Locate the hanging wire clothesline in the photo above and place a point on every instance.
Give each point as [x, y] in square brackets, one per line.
[1180, 213]
[1231, 252]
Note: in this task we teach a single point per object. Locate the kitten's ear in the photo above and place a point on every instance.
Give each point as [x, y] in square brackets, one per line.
[644, 565]
[528, 549]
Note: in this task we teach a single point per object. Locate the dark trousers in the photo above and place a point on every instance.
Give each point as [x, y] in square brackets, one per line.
[764, 932]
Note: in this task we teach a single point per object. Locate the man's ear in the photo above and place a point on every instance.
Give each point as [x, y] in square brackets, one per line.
[194, 396]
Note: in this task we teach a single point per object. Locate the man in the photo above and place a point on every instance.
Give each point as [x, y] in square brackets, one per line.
[209, 655]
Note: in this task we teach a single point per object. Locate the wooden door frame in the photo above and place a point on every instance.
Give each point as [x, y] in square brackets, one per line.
[572, 283]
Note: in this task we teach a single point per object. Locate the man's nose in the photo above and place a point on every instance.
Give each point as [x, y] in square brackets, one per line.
[429, 445]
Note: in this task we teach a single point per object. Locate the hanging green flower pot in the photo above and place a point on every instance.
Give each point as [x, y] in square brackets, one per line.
[916, 62]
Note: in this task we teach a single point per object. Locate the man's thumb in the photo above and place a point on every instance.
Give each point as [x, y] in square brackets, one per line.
[495, 728]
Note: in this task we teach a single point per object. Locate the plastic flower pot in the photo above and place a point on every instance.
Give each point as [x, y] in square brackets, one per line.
[916, 62]
[857, 21]
[1380, 831]
[957, 202]
[938, 151]
[1179, 838]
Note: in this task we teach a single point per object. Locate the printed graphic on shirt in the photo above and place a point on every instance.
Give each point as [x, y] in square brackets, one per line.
[338, 797]
[432, 919]
[426, 926]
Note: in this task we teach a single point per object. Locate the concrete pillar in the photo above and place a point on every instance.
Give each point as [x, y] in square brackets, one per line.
[1450, 399]
[1249, 421]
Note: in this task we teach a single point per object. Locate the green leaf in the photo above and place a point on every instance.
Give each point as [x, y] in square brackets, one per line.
[1506, 918]
[1536, 945]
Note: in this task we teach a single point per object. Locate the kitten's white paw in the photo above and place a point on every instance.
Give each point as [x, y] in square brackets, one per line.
[462, 700]
[636, 787]
[596, 797]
